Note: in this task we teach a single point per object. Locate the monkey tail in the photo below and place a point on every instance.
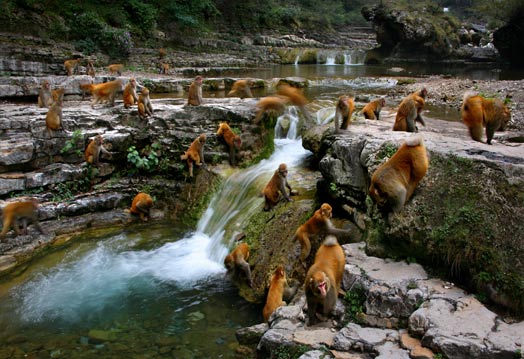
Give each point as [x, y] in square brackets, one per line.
[330, 241]
[415, 140]
[468, 94]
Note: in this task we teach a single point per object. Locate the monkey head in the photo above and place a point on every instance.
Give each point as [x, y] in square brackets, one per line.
[46, 84]
[282, 169]
[279, 272]
[145, 91]
[99, 139]
[326, 210]
[198, 80]
[229, 262]
[382, 101]
[202, 138]
[319, 284]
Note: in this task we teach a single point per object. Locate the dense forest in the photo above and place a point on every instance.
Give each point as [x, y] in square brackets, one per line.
[107, 25]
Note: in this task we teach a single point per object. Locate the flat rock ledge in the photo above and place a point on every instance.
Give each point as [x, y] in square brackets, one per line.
[407, 315]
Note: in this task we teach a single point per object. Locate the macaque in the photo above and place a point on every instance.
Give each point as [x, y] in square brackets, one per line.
[372, 110]
[141, 206]
[277, 187]
[144, 104]
[241, 88]
[296, 98]
[393, 182]
[129, 96]
[45, 98]
[407, 115]
[319, 223]
[164, 68]
[93, 149]
[233, 141]
[276, 292]
[116, 68]
[20, 212]
[479, 112]
[194, 97]
[343, 112]
[271, 105]
[71, 66]
[104, 92]
[237, 260]
[162, 53]
[323, 279]
[195, 153]
[420, 100]
[90, 68]
[53, 118]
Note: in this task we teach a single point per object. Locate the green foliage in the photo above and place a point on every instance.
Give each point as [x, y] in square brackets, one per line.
[65, 191]
[150, 159]
[333, 187]
[73, 144]
[354, 300]
[288, 352]
[387, 150]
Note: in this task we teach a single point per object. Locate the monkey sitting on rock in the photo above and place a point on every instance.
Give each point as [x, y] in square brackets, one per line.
[276, 188]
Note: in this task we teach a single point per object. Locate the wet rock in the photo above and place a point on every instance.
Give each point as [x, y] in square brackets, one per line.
[315, 354]
[251, 335]
[100, 336]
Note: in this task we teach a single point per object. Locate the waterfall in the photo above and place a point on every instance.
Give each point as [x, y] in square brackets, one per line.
[330, 60]
[89, 281]
[296, 60]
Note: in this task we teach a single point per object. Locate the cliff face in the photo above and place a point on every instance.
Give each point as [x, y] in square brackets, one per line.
[466, 215]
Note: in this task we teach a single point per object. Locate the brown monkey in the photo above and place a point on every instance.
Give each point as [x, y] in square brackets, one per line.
[93, 149]
[276, 292]
[241, 88]
[236, 260]
[45, 98]
[115, 68]
[90, 68]
[372, 110]
[296, 97]
[164, 68]
[323, 279]
[277, 186]
[194, 97]
[478, 112]
[144, 104]
[195, 153]
[343, 111]
[319, 223]
[20, 212]
[104, 92]
[162, 53]
[407, 115]
[53, 118]
[393, 182]
[233, 141]
[271, 105]
[129, 96]
[420, 100]
[71, 66]
[141, 206]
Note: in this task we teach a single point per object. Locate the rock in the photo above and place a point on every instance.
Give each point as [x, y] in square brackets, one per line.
[353, 336]
[251, 335]
[315, 354]
[100, 336]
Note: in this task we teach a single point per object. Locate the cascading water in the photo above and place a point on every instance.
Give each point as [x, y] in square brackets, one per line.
[101, 284]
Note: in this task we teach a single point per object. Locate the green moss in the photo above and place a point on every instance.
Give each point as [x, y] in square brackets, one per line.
[191, 216]
[266, 151]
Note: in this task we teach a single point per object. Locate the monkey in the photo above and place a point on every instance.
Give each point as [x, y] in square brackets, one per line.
[141, 206]
[478, 112]
[104, 92]
[296, 97]
[241, 88]
[236, 260]
[90, 68]
[276, 186]
[129, 96]
[372, 110]
[53, 118]
[323, 279]
[116, 68]
[93, 149]
[393, 182]
[420, 100]
[276, 292]
[195, 153]
[272, 105]
[194, 97]
[233, 141]
[45, 98]
[145, 109]
[343, 112]
[16, 212]
[71, 66]
[164, 68]
[162, 53]
[407, 115]
[319, 223]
